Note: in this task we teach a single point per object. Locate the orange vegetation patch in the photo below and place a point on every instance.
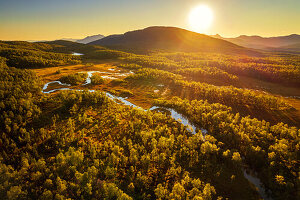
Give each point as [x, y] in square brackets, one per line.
[54, 73]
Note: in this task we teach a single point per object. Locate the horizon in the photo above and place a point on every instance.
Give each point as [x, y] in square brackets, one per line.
[83, 37]
[43, 20]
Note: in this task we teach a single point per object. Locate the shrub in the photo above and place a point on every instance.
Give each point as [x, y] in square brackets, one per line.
[74, 79]
[117, 81]
[97, 79]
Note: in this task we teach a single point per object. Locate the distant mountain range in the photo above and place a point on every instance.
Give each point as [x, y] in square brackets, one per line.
[170, 39]
[177, 39]
[85, 40]
[280, 43]
[89, 39]
[69, 39]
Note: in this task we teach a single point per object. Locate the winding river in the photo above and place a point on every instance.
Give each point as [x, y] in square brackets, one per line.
[173, 113]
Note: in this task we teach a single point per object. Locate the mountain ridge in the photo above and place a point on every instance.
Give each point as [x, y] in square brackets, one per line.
[171, 39]
[91, 38]
[264, 43]
[85, 40]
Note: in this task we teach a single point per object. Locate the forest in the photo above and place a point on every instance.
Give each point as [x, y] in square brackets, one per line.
[81, 144]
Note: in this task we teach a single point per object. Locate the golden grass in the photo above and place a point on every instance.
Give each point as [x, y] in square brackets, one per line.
[141, 93]
[144, 93]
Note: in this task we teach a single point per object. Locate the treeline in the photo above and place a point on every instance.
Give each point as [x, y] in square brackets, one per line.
[287, 74]
[63, 46]
[94, 52]
[193, 71]
[273, 151]
[156, 62]
[203, 73]
[57, 46]
[284, 70]
[20, 56]
[27, 45]
[226, 95]
[105, 54]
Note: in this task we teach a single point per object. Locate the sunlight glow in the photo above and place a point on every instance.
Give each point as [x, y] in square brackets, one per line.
[200, 18]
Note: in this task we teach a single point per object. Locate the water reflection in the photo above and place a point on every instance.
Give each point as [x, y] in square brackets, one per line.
[77, 54]
[258, 184]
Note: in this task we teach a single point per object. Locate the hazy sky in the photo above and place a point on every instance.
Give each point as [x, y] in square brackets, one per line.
[54, 19]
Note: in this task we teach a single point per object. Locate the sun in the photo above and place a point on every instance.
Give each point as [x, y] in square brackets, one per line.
[200, 18]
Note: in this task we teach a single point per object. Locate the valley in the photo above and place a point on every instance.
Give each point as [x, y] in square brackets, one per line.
[84, 121]
[109, 68]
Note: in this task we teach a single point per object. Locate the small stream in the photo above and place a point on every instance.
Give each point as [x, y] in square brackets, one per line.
[109, 75]
[88, 79]
[249, 175]
[179, 117]
[173, 113]
[52, 82]
[77, 54]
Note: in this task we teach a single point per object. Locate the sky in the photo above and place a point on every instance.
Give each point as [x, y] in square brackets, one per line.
[56, 19]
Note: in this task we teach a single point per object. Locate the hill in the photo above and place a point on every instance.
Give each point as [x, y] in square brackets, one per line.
[70, 39]
[171, 39]
[265, 43]
[89, 39]
[294, 48]
[85, 40]
[21, 54]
